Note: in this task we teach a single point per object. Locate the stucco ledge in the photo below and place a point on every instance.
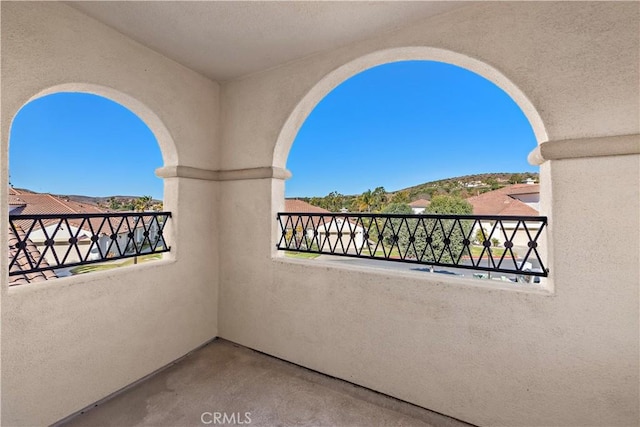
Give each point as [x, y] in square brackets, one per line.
[619, 145]
[427, 278]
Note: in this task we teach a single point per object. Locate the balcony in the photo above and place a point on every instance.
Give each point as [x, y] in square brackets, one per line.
[223, 379]
[225, 94]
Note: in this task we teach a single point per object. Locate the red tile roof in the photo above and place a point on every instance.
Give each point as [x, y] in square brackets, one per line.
[29, 253]
[48, 204]
[300, 206]
[36, 203]
[15, 201]
[420, 203]
[523, 189]
[500, 202]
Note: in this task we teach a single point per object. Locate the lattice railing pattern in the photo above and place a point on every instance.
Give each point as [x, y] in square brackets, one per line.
[505, 244]
[76, 239]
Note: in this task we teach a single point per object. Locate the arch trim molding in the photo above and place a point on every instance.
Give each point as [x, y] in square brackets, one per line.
[331, 80]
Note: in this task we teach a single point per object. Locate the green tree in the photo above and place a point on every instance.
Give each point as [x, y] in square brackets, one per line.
[115, 204]
[493, 183]
[379, 199]
[439, 230]
[516, 178]
[316, 201]
[398, 231]
[443, 204]
[334, 201]
[128, 205]
[143, 203]
[431, 191]
[400, 197]
[365, 201]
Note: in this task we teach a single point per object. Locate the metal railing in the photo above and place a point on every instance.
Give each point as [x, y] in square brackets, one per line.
[504, 244]
[52, 241]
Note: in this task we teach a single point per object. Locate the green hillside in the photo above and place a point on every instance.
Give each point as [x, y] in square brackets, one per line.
[459, 186]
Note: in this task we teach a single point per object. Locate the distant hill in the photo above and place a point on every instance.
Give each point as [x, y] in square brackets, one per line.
[103, 202]
[467, 185]
[460, 186]
[100, 200]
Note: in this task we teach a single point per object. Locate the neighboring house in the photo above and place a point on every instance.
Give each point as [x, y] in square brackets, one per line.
[528, 194]
[513, 200]
[27, 257]
[474, 184]
[300, 206]
[27, 203]
[327, 228]
[419, 206]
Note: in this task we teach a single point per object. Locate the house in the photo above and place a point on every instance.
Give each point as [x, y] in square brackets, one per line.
[512, 200]
[419, 206]
[332, 232]
[516, 199]
[30, 203]
[225, 88]
[300, 206]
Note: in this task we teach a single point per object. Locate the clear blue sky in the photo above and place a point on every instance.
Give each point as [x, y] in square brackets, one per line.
[76, 143]
[395, 125]
[406, 123]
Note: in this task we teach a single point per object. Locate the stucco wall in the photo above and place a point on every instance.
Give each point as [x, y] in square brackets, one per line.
[566, 354]
[70, 342]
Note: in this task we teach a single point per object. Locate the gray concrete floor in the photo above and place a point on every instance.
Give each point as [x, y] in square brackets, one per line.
[251, 388]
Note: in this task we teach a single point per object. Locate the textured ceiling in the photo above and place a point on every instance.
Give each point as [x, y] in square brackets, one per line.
[226, 40]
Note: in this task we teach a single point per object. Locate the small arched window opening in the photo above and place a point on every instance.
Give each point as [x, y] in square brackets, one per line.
[83, 195]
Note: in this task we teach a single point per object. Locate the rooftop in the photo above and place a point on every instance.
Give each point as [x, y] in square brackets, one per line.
[31, 253]
[300, 206]
[420, 203]
[501, 202]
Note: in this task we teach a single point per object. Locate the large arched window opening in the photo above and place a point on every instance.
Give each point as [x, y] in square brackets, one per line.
[402, 135]
[89, 161]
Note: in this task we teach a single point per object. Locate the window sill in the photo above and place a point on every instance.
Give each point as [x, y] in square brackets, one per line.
[88, 278]
[543, 289]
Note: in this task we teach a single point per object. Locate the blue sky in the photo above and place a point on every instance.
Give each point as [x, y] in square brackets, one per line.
[76, 143]
[406, 123]
[395, 125]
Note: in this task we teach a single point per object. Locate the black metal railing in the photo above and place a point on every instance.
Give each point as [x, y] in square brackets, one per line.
[47, 242]
[504, 244]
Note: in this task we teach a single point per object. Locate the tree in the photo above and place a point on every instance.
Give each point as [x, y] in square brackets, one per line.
[515, 178]
[400, 197]
[365, 201]
[441, 230]
[379, 199]
[431, 191]
[143, 203]
[115, 204]
[493, 183]
[316, 201]
[443, 204]
[398, 231]
[333, 201]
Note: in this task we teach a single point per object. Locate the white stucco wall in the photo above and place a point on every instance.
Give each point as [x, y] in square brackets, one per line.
[566, 354]
[70, 342]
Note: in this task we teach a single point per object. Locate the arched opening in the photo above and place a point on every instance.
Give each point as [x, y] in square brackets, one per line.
[83, 194]
[302, 110]
[497, 238]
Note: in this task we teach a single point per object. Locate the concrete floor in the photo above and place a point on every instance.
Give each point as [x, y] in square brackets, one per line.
[251, 388]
